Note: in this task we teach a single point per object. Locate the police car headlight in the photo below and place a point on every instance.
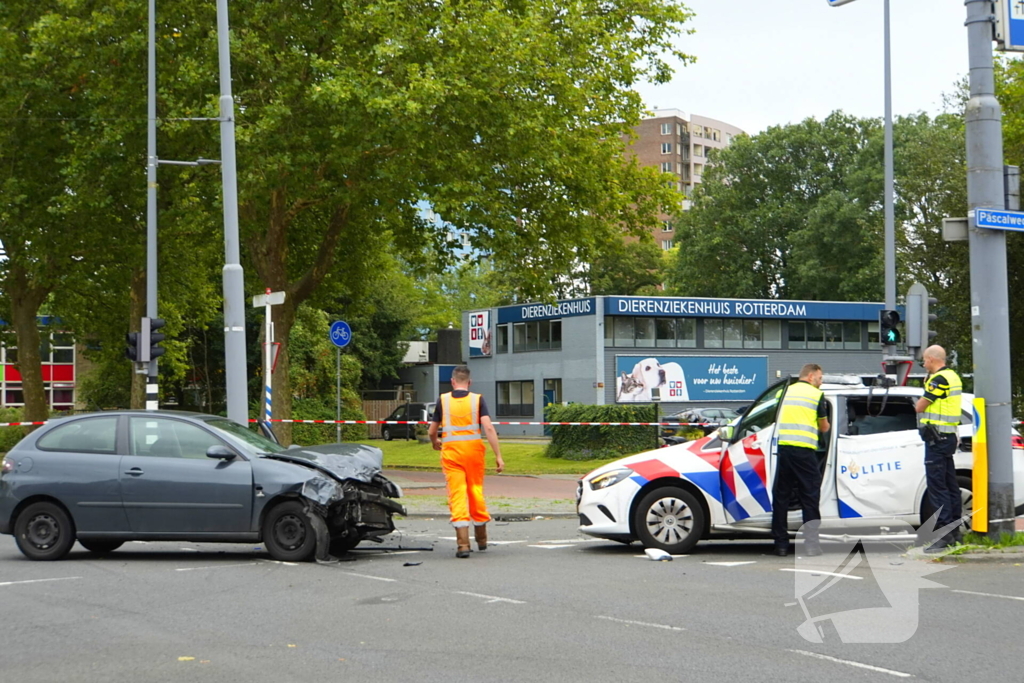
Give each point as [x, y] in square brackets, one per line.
[603, 481]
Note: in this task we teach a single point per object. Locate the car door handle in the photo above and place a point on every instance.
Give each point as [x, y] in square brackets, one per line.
[135, 471]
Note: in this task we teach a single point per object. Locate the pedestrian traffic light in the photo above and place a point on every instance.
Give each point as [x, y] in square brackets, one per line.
[155, 338]
[888, 320]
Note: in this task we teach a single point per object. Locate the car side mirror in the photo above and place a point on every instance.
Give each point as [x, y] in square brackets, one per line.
[220, 453]
[726, 432]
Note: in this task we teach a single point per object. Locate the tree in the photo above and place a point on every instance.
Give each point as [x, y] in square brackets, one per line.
[628, 268]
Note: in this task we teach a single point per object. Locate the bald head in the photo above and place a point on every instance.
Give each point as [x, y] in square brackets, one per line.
[934, 358]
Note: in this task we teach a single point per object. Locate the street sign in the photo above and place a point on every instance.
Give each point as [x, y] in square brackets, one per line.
[341, 333]
[997, 219]
[1010, 25]
[268, 299]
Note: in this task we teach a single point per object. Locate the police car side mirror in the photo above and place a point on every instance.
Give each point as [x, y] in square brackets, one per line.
[726, 432]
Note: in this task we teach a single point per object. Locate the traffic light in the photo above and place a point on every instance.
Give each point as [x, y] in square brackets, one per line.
[142, 345]
[156, 337]
[920, 319]
[888, 320]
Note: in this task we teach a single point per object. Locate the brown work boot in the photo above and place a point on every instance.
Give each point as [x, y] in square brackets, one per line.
[481, 536]
[462, 541]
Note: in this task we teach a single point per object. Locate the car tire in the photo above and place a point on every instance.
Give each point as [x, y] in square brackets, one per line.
[100, 547]
[386, 433]
[288, 534]
[670, 519]
[44, 531]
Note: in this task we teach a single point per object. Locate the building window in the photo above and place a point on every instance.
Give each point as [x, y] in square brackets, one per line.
[643, 328]
[681, 128]
[708, 132]
[697, 132]
[852, 335]
[698, 150]
[666, 148]
[666, 226]
[536, 335]
[515, 398]
[698, 170]
[666, 129]
[666, 245]
[57, 355]
[716, 135]
[501, 345]
[624, 332]
[797, 334]
[666, 167]
[733, 333]
[874, 338]
[712, 332]
[650, 332]
[829, 334]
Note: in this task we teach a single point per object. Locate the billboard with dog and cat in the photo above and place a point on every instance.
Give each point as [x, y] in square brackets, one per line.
[673, 379]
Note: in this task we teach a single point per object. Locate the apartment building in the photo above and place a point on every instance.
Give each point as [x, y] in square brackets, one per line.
[678, 143]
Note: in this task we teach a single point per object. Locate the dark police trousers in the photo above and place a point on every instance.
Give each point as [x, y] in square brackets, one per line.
[940, 473]
[798, 467]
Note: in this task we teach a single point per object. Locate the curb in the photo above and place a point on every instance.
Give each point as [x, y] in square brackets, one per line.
[983, 556]
[500, 517]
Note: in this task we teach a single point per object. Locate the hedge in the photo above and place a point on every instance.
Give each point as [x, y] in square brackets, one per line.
[599, 442]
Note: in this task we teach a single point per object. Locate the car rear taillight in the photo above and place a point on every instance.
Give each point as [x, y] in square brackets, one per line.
[7, 465]
[1017, 441]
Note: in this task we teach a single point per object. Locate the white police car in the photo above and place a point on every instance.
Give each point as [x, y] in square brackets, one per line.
[872, 465]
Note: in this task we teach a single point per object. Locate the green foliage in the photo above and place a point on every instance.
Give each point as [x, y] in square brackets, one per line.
[9, 436]
[107, 382]
[324, 409]
[628, 268]
[592, 443]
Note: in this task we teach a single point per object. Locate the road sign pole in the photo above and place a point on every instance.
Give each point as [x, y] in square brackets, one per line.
[268, 362]
[989, 299]
[337, 397]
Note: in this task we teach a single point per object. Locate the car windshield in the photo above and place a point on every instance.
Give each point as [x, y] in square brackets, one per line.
[248, 437]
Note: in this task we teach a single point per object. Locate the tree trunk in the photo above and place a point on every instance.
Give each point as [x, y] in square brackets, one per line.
[283, 316]
[137, 309]
[25, 300]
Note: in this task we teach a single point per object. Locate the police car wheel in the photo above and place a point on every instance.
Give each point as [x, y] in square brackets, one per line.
[670, 519]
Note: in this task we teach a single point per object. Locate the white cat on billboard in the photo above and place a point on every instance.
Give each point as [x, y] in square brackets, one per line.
[648, 374]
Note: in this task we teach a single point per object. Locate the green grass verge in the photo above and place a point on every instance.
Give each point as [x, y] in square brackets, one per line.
[979, 542]
[520, 458]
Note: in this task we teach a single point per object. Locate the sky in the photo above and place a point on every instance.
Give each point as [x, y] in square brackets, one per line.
[771, 62]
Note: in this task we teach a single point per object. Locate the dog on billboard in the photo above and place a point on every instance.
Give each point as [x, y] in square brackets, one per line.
[649, 374]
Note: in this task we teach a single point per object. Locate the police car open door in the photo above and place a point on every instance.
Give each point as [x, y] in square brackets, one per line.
[747, 462]
[879, 457]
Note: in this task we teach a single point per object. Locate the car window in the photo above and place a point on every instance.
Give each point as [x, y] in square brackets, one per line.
[397, 414]
[94, 435]
[897, 414]
[762, 412]
[247, 437]
[165, 438]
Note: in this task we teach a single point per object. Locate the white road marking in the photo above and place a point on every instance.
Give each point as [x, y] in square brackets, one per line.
[549, 547]
[402, 552]
[989, 595]
[368, 576]
[216, 566]
[856, 664]
[643, 623]
[573, 540]
[489, 542]
[492, 598]
[16, 583]
[287, 564]
[731, 564]
[815, 571]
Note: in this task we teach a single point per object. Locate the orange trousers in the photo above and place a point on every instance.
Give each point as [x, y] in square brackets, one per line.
[463, 467]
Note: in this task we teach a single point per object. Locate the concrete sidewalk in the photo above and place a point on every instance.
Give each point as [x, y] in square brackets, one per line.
[508, 496]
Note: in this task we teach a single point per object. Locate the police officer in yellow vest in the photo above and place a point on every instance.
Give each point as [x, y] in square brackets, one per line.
[460, 417]
[802, 418]
[940, 416]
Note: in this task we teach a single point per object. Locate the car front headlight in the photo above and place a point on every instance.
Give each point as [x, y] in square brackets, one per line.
[603, 481]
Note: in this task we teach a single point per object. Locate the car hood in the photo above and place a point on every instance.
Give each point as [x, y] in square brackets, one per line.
[340, 460]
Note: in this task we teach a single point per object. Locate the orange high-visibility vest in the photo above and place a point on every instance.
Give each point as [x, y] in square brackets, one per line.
[460, 420]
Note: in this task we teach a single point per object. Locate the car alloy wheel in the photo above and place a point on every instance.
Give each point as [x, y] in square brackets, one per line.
[669, 518]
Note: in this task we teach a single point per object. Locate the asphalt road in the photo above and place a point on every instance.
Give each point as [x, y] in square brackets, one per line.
[543, 604]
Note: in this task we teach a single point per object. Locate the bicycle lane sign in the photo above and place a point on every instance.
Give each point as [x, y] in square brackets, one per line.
[341, 333]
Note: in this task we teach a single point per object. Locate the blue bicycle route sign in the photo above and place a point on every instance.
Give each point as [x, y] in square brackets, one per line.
[341, 333]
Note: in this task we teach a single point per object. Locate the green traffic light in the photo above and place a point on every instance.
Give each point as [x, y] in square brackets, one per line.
[892, 336]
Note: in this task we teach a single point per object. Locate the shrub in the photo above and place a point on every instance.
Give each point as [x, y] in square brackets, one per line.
[600, 442]
[9, 436]
[317, 409]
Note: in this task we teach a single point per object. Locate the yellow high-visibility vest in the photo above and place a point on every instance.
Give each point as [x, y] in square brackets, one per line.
[798, 419]
[944, 412]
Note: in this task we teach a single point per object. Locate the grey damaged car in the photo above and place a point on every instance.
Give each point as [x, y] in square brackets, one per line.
[106, 478]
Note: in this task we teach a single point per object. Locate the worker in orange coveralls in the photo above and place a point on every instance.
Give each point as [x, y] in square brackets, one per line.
[459, 417]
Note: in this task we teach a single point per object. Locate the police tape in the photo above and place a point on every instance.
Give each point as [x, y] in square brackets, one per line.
[495, 422]
[22, 424]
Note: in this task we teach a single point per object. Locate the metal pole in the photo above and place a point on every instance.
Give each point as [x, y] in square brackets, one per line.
[338, 397]
[890, 230]
[152, 388]
[234, 282]
[268, 361]
[989, 299]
